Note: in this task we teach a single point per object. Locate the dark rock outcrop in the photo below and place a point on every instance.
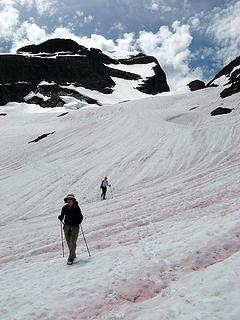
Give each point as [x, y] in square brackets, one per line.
[226, 71]
[154, 84]
[220, 110]
[14, 91]
[41, 137]
[62, 114]
[196, 85]
[53, 93]
[235, 85]
[64, 62]
[193, 108]
[60, 69]
[232, 73]
[234, 88]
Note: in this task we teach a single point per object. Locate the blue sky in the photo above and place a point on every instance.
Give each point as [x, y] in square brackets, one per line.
[190, 38]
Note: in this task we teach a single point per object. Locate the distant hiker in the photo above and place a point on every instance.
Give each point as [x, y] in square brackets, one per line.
[72, 216]
[103, 186]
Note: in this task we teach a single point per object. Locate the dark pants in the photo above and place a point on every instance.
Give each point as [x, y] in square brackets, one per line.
[71, 235]
[104, 190]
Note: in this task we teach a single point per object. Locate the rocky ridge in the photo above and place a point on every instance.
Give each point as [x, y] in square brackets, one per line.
[57, 68]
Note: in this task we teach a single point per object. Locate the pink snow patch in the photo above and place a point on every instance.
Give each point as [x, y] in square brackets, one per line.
[7, 259]
[217, 253]
[131, 291]
[139, 291]
[136, 294]
[45, 249]
[207, 202]
[201, 205]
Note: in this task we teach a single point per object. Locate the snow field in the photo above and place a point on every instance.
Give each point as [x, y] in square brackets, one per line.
[166, 246]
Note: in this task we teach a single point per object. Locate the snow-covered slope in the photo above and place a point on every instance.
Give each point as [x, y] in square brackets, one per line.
[164, 245]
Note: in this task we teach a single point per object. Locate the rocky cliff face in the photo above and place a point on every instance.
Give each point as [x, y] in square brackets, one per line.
[44, 73]
[228, 76]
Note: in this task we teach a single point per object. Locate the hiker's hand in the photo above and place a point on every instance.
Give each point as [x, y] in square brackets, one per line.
[60, 218]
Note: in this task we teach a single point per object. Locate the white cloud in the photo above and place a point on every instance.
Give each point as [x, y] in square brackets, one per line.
[27, 4]
[154, 6]
[177, 80]
[127, 43]
[219, 27]
[80, 13]
[98, 41]
[202, 53]
[88, 19]
[171, 48]
[43, 7]
[224, 29]
[195, 22]
[10, 11]
[47, 7]
[9, 20]
[6, 3]
[79, 18]
[160, 6]
[95, 41]
[28, 33]
[118, 26]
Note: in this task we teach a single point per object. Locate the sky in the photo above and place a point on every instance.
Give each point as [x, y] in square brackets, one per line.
[191, 39]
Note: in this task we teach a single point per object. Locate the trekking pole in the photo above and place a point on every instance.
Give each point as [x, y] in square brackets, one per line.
[85, 241]
[111, 192]
[62, 238]
[98, 195]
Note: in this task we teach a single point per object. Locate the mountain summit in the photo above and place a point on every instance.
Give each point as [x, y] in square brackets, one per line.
[60, 71]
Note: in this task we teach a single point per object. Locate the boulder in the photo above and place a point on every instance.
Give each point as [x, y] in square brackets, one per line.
[220, 110]
[196, 85]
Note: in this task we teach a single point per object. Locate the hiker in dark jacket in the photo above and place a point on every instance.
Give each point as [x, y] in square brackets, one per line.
[72, 217]
[103, 186]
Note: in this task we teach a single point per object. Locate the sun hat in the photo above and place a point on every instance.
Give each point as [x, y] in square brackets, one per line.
[69, 196]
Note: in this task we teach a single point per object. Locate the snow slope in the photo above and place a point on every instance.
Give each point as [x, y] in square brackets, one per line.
[123, 90]
[165, 245]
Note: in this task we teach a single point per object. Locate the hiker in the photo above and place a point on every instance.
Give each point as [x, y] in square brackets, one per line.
[103, 186]
[72, 217]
